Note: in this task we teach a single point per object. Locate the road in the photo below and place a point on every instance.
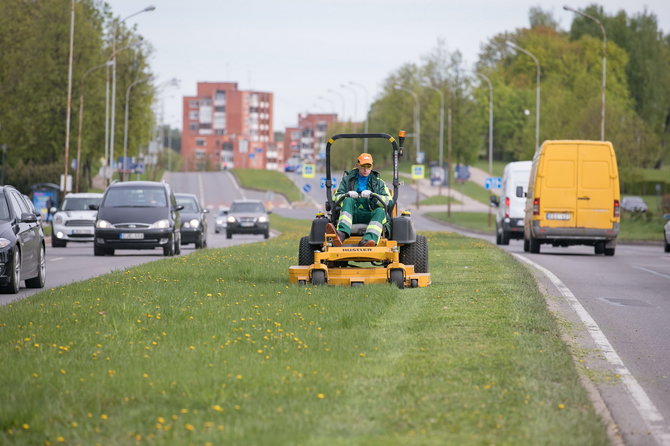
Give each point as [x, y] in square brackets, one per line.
[625, 295]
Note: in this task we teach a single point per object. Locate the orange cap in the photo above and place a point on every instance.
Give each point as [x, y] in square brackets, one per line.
[365, 158]
[401, 133]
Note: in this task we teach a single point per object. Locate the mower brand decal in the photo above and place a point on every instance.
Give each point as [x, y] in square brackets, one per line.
[356, 249]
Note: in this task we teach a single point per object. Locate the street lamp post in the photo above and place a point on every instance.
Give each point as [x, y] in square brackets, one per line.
[441, 132]
[367, 107]
[337, 93]
[125, 124]
[81, 120]
[604, 75]
[113, 107]
[69, 98]
[537, 91]
[417, 130]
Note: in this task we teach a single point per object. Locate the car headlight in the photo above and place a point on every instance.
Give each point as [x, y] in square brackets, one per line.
[231, 219]
[102, 224]
[4, 242]
[192, 224]
[161, 224]
[262, 219]
[58, 219]
[220, 221]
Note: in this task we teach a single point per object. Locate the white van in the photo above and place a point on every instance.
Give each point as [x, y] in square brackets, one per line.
[510, 212]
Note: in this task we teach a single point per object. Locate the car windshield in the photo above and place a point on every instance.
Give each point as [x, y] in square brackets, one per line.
[189, 204]
[79, 203]
[4, 210]
[247, 207]
[135, 197]
[223, 212]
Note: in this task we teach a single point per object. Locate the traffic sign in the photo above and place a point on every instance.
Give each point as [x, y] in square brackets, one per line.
[322, 184]
[493, 183]
[307, 187]
[418, 171]
[308, 170]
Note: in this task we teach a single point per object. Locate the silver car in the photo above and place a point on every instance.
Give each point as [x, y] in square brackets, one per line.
[667, 233]
[73, 221]
[633, 204]
[221, 220]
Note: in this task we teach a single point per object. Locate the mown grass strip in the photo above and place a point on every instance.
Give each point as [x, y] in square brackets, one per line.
[217, 347]
[268, 180]
[477, 221]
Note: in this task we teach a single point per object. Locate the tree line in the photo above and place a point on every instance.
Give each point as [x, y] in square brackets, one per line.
[34, 55]
[637, 92]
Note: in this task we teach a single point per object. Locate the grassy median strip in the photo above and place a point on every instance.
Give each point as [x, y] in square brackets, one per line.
[217, 348]
[269, 180]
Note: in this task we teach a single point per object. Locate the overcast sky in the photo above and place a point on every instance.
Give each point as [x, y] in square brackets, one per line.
[300, 49]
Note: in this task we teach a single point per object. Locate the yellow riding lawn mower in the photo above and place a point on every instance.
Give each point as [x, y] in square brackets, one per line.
[400, 257]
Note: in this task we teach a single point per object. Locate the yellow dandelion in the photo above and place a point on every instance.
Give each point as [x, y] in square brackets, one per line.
[60, 439]
[25, 426]
[63, 371]
[217, 408]
[160, 420]
[104, 416]
[561, 406]
[184, 411]
[238, 376]
[145, 375]
[320, 396]
[189, 427]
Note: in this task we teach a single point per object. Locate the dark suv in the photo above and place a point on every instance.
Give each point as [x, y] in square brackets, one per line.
[138, 215]
[247, 217]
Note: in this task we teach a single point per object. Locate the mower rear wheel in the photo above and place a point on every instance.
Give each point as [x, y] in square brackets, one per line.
[305, 252]
[416, 254]
[318, 277]
[396, 278]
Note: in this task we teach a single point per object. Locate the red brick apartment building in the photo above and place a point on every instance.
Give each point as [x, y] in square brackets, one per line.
[305, 143]
[224, 127]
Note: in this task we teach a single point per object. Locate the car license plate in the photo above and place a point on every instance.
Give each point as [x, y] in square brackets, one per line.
[558, 216]
[82, 231]
[246, 224]
[132, 235]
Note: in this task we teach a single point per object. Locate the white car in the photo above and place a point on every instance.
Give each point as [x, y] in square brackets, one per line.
[221, 220]
[74, 220]
[667, 233]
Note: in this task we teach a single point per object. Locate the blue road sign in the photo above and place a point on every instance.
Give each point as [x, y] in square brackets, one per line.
[493, 183]
[307, 187]
[322, 184]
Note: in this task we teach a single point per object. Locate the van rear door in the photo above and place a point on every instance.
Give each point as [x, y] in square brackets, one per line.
[557, 181]
[595, 194]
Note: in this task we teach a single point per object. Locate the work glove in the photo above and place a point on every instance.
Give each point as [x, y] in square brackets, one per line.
[353, 194]
[366, 193]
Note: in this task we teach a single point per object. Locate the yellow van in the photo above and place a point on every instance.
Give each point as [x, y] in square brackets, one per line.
[573, 197]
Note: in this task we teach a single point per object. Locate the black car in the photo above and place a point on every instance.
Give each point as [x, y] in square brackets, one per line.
[138, 215]
[193, 221]
[22, 248]
[247, 217]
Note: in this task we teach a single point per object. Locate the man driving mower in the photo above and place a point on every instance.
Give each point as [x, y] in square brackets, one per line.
[365, 200]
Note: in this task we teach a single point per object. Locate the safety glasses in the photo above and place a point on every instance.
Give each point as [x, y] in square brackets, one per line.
[366, 166]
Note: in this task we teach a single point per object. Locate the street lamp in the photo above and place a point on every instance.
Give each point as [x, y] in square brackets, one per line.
[441, 130]
[113, 114]
[604, 76]
[125, 124]
[488, 81]
[81, 120]
[69, 97]
[417, 122]
[330, 90]
[367, 108]
[537, 91]
[353, 90]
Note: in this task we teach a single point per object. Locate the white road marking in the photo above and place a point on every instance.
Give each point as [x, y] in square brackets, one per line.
[645, 407]
[651, 271]
[56, 258]
[201, 189]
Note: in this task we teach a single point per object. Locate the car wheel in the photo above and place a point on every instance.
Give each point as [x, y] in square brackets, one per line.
[177, 247]
[599, 247]
[609, 252]
[667, 247]
[526, 245]
[266, 234]
[40, 279]
[168, 250]
[15, 277]
[504, 238]
[57, 243]
[534, 245]
[229, 234]
[216, 231]
[98, 250]
[498, 238]
[198, 242]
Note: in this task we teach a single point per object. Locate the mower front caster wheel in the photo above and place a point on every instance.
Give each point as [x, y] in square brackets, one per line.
[318, 277]
[397, 278]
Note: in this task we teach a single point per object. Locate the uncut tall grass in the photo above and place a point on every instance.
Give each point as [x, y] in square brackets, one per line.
[217, 348]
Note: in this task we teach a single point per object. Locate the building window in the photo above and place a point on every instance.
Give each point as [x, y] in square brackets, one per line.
[206, 102]
[199, 154]
[220, 132]
[200, 142]
[193, 104]
[205, 125]
[193, 126]
[193, 115]
[220, 108]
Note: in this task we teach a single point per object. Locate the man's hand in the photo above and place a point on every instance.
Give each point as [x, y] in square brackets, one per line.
[353, 194]
[366, 194]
